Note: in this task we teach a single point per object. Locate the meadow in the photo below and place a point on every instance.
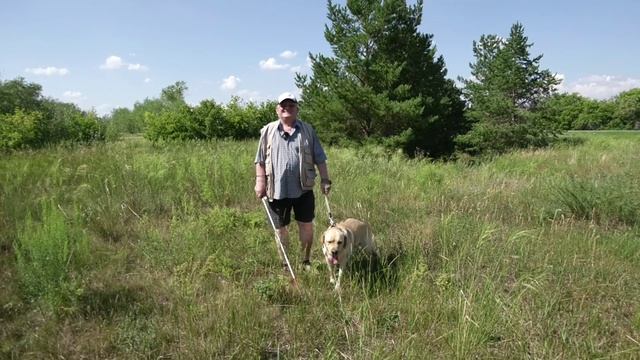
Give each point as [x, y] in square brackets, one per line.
[134, 250]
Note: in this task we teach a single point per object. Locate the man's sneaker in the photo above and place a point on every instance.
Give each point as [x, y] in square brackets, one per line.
[306, 265]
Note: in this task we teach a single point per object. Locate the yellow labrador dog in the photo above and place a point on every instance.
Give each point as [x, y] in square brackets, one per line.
[339, 242]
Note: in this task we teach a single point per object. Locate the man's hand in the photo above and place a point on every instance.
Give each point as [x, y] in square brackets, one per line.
[325, 186]
[261, 186]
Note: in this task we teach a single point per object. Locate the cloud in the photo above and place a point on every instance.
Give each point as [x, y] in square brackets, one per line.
[230, 83]
[272, 64]
[115, 62]
[600, 86]
[288, 54]
[147, 80]
[74, 95]
[47, 71]
[137, 67]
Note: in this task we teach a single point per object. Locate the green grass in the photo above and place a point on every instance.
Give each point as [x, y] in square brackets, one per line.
[533, 254]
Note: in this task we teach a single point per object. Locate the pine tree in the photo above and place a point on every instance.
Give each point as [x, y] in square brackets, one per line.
[504, 94]
[384, 82]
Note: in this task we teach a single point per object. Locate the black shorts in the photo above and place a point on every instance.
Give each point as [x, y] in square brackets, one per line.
[303, 209]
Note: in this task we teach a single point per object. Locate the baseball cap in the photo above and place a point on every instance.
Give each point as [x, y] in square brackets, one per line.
[287, 95]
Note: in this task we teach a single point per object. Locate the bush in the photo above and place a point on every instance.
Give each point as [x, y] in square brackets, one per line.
[20, 129]
[178, 123]
[85, 128]
[487, 138]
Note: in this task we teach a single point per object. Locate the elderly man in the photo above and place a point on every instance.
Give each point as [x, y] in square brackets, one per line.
[288, 153]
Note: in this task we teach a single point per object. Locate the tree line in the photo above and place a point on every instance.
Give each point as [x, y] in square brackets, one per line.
[30, 120]
[384, 84]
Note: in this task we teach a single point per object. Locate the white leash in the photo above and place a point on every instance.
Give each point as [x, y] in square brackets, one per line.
[326, 202]
[273, 225]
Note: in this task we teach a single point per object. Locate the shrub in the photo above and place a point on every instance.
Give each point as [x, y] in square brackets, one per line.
[20, 129]
[177, 123]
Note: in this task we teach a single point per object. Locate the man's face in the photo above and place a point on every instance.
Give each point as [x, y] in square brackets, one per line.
[287, 109]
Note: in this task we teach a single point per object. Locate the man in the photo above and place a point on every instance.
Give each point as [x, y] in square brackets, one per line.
[288, 152]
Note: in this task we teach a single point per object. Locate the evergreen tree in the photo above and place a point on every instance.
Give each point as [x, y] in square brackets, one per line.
[384, 81]
[504, 94]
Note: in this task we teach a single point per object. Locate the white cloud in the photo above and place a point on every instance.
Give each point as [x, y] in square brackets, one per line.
[272, 64]
[309, 62]
[288, 54]
[47, 71]
[74, 95]
[112, 63]
[230, 83]
[147, 80]
[115, 62]
[600, 86]
[137, 67]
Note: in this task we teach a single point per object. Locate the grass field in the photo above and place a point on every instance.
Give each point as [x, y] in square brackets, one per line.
[132, 250]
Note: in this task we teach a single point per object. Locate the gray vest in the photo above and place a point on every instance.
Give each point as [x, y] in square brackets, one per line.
[307, 167]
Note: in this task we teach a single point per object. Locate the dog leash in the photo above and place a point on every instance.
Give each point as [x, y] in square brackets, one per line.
[326, 202]
[284, 253]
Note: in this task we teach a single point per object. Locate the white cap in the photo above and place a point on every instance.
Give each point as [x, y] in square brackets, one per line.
[287, 95]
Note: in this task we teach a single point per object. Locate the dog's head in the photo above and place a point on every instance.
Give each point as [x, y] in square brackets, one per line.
[334, 242]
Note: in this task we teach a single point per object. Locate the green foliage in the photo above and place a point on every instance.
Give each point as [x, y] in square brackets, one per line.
[19, 94]
[29, 120]
[20, 129]
[627, 110]
[505, 93]
[123, 120]
[85, 128]
[213, 117]
[596, 115]
[209, 120]
[488, 138]
[173, 95]
[245, 120]
[383, 81]
[563, 109]
[50, 256]
[178, 123]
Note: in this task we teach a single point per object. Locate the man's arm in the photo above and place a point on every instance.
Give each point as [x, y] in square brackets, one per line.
[325, 182]
[261, 181]
[324, 172]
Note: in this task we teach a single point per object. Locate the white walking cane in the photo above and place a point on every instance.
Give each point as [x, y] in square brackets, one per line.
[284, 253]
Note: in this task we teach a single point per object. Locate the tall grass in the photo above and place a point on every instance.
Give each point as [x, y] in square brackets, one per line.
[50, 257]
[532, 254]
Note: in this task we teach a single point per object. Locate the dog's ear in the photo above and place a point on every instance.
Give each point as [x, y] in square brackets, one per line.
[345, 237]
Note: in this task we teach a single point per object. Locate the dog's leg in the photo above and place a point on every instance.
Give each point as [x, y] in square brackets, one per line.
[337, 288]
[332, 279]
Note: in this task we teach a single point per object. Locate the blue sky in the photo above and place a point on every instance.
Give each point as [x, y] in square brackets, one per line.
[107, 54]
